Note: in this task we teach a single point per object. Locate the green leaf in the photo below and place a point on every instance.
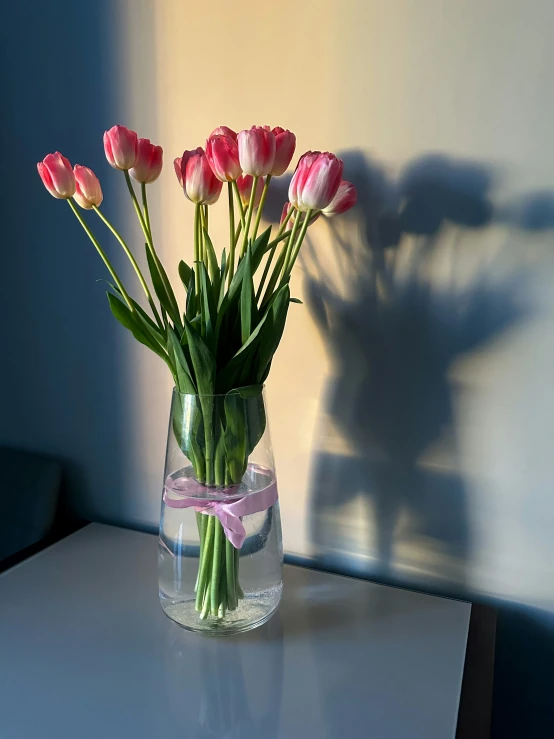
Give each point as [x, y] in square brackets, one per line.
[184, 273]
[234, 371]
[222, 280]
[272, 332]
[191, 298]
[246, 298]
[154, 328]
[258, 250]
[255, 419]
[165, 296]
[235, 436]
[203, 361]
[296, 300]
[127, 319]
[212, 259]
[248, 391]
[207, 307]
[184, 379]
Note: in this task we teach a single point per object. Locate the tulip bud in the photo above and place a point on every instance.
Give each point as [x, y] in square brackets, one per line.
[121, 147]
[149, 162]
[344, 200]
[57, 176]
[196, 177]
[88, 191]
[244, 184]
[287, 216]
[316, 180]
[223, 156]
[285, 144]
[224, 131]
[256, 151]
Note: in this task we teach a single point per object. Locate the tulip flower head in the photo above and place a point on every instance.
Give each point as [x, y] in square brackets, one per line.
[88, 192]
[256, 151]
[344, 200]
[57, 176]
[121, 147]
[223, 156]
[316, 180]
[224, 131]
[149, 162]
[285, 144]
[244, 184]
[196, 177]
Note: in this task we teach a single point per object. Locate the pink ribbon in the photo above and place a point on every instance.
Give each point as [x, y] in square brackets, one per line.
[177, 494]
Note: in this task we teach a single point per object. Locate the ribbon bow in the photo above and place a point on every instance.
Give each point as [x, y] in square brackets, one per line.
[230, 514]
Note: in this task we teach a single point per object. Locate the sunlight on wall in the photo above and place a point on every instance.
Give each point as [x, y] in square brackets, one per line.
[459, 490]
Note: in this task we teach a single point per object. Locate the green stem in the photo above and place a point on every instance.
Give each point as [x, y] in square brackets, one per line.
[205, 562]
[197, 248]
[203, 229]
[290, 242]
[149, 241]
[232, 240]
[133, 261]
[240, 594]
[274, 277]
[261, 207]
[239, 202]
[249, 217]
[100, 251]
[145, 207]
[296, 248]
[232, 600]
[219, 536]
[273, 245]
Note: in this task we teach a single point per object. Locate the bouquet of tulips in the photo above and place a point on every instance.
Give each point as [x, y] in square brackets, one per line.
[221, 339]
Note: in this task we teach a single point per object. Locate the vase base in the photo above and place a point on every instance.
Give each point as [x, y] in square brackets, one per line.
[252, 612]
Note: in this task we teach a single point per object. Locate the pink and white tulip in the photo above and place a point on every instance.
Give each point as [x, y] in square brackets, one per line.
[256, 151]
[196, 177]
[149, 162]
[244, 184]
[121, 147]
[223, 156]
[344, 200]
[88, 192]
[57, 176]
[285, 144]
[224, 131]
[316, 181]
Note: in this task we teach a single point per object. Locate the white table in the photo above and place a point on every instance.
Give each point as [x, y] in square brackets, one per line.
[87, 653]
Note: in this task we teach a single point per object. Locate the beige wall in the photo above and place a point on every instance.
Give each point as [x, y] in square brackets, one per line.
[395, 80]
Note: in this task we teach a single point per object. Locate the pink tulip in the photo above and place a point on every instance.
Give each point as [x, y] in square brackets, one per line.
[287, 216]
[149, 162]
[344, 200]
[244, 184]
[224, 131]
[285, 144]
[315, 181]
[256, 151]
[121, 147]
[223, 156]
[57, 176]
[196, 177]
[88, 191]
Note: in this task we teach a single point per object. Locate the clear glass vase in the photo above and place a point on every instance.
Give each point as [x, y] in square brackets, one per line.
[220, 546]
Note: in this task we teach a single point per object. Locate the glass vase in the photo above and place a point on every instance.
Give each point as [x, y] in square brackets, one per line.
[220, 545]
